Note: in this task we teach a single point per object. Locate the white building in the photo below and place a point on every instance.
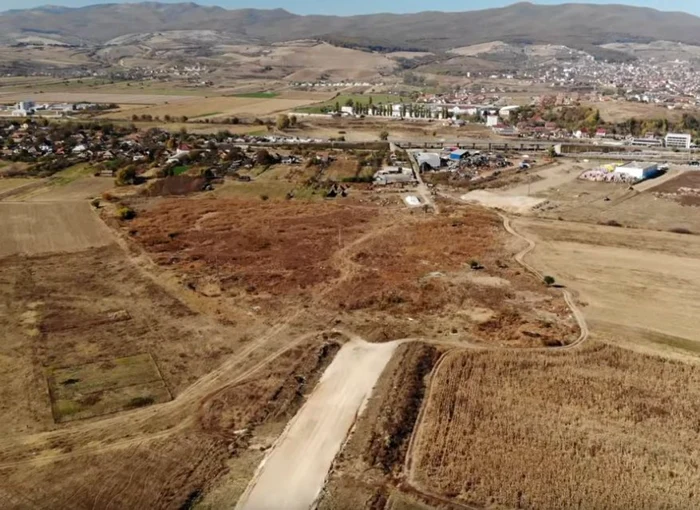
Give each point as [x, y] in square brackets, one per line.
[507, 110]
[678, 140]
[347, 110]
[492, 121]
[24, 109]
[639, 171]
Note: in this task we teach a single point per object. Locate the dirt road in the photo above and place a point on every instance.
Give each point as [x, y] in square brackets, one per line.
[294, 472]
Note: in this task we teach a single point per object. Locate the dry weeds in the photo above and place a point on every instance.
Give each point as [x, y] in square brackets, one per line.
[547, 430]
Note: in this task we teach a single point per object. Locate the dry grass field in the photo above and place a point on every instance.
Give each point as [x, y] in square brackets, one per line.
[34, 228]
[95, 389]
[515, 430]
[361, 261]
[212, 107]
[627, 278]
[597, 202]
[620, 111]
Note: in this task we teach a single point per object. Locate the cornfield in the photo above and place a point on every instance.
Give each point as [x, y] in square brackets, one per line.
[599, 428]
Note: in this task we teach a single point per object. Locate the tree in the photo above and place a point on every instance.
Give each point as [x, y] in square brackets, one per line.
[350, 103]
[126, 175]
[549, 281]
[337, 107]
[552, 152]
[293, 120]
[283, 122]
[264, 158]
[384, 135]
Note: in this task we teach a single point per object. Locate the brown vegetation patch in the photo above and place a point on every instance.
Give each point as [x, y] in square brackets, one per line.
[489, 436]
[234, 412]
[167, 474]
[176, 185]
[260, 247]
[402, 268]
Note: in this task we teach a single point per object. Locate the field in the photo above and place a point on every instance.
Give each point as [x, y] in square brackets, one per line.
[597, 202]
[620, 111]
[212, 107]
[652, 276]
[356, 260]
[489, 436]
[342, 100]
[95, 389]
[40, 228]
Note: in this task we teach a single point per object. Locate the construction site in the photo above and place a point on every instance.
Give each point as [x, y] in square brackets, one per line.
[263, 343]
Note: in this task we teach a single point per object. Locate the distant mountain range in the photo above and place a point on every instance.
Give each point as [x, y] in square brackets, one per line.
[578, 26]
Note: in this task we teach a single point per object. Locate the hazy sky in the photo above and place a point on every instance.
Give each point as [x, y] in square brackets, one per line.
[368, 6]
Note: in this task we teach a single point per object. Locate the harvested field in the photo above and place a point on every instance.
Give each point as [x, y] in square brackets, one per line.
[44, 228]
[596, 202]
[543, 430]
[92, 97]
[87, 309]
[652, 276]
[212, 107]
[101, 388]
[165, 474]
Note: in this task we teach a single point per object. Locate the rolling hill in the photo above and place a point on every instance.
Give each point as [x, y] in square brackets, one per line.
[579, 26]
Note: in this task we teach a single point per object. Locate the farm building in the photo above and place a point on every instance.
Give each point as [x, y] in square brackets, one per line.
[638, 170]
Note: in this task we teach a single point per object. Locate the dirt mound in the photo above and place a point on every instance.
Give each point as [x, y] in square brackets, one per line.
[176, 185]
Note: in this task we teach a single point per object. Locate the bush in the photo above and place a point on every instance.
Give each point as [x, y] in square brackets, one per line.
[384, 136]
[126, 176]
[681, 230]
[549, 281]
[474, 264]
[126, 213]
[264, 197]
[95, 203]
[140, 402]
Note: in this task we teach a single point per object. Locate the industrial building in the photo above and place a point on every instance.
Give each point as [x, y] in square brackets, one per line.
[638, 171]
[678, 140]
[428, 161]
[394, 175]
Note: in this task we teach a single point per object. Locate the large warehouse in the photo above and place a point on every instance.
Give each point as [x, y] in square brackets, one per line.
[638, 170]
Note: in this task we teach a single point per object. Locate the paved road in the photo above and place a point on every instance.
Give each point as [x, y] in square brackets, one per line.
[293, 474]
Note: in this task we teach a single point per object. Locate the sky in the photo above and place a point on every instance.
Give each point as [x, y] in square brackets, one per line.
[368, 6]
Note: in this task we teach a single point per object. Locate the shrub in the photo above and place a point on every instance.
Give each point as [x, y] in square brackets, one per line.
[681, 230]
[384, 135]
[264, 197]
[474, 264]
[95, 202]
[126, 176]
[140, 402]
[126, 213]
[549, 281]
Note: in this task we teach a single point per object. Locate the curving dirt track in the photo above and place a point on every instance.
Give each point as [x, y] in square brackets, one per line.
[583, 336]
